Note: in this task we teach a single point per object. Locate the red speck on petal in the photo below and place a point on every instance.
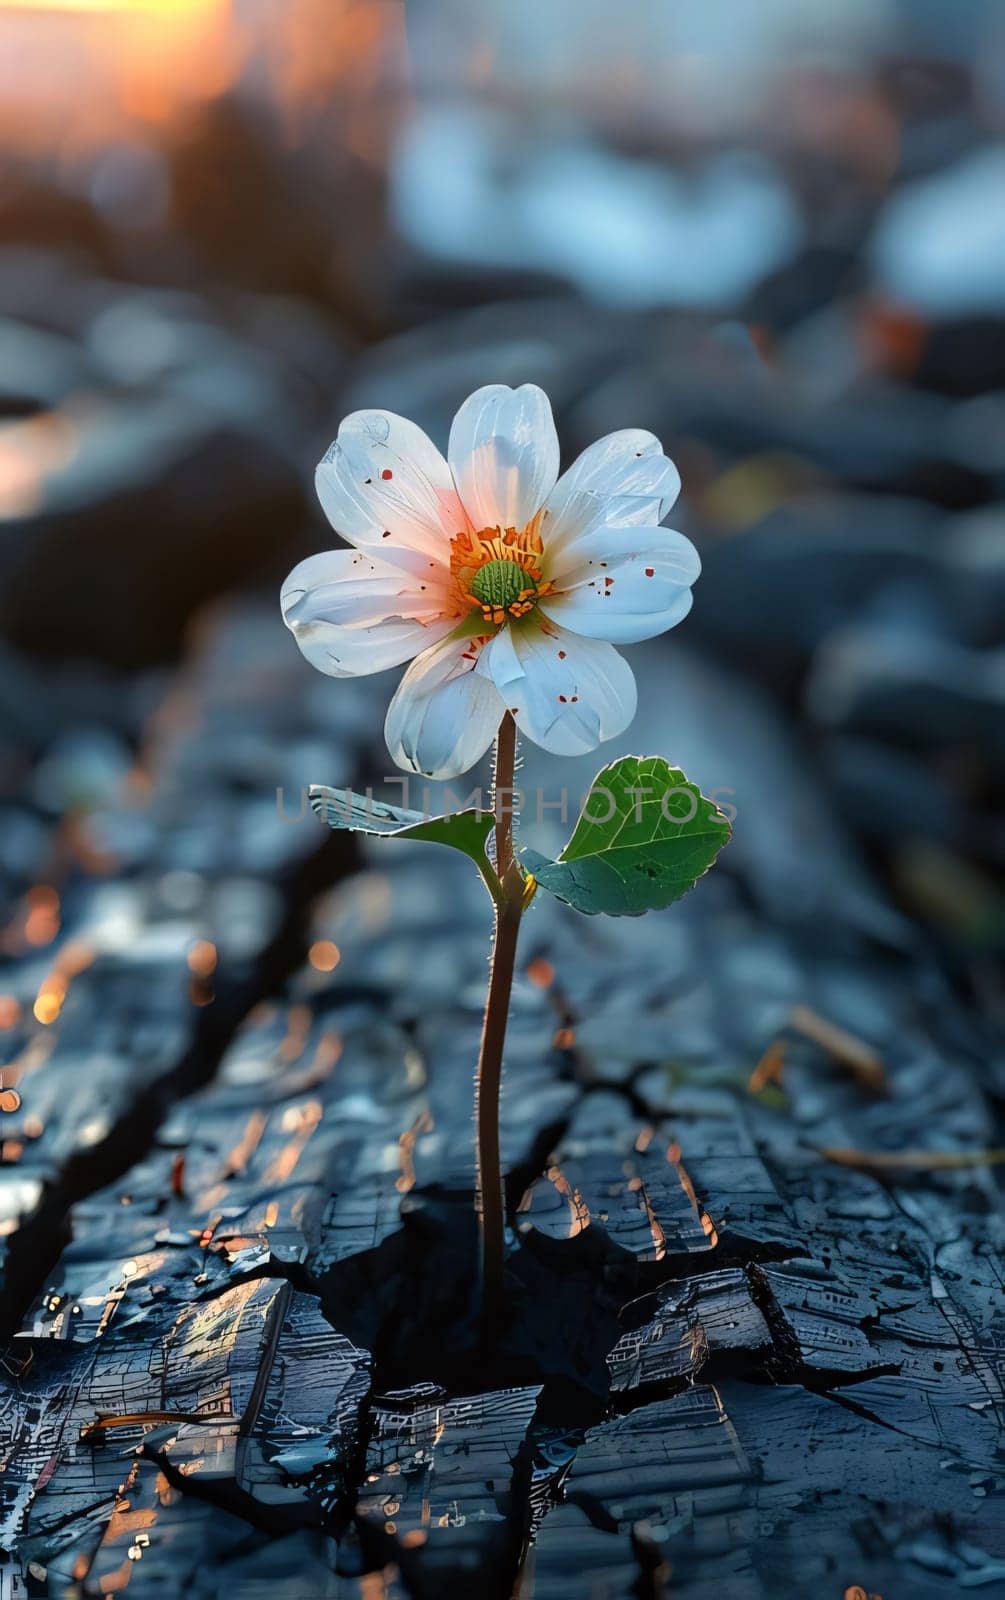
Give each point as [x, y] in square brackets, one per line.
[650, 572]
[574, 698]
[387, 473]
[386, 534]
[562, 699]
[561, 655]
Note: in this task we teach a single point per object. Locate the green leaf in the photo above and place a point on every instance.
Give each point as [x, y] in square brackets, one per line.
[643, 839]
[342, 808]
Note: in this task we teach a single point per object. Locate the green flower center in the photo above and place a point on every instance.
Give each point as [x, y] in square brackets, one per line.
[501, 583]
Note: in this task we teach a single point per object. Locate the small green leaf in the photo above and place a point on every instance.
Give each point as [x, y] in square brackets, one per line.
[341, 808]
[644, 837]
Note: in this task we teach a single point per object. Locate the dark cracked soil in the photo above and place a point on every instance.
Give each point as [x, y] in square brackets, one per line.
[738, 1359]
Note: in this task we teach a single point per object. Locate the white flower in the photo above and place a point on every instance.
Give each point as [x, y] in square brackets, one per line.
[508, 585]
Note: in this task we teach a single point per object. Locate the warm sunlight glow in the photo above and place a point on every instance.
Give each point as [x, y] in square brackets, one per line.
[84, 76]
[165, 7]
[129, 62]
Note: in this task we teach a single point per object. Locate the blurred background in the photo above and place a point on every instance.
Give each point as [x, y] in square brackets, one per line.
[774, 234]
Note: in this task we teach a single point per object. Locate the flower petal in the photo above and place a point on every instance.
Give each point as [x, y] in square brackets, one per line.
[624, 584]
[385, 487]
[352, 614]
[349, 587]
[623, 480]
[444, 715]
[567, 693]
[503, 453]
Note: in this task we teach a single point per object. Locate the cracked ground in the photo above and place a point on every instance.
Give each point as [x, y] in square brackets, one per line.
[743, 1355]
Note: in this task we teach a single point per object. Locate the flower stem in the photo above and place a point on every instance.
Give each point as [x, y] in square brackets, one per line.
[502, 794]
[507, 914]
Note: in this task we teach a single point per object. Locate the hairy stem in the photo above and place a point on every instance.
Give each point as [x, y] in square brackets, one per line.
[508, 910]
[502, 794]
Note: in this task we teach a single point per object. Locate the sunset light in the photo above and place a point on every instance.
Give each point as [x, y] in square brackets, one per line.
[163, 7]
[77, 72]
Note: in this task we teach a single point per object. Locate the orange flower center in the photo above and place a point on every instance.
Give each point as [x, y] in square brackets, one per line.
[498, 571]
